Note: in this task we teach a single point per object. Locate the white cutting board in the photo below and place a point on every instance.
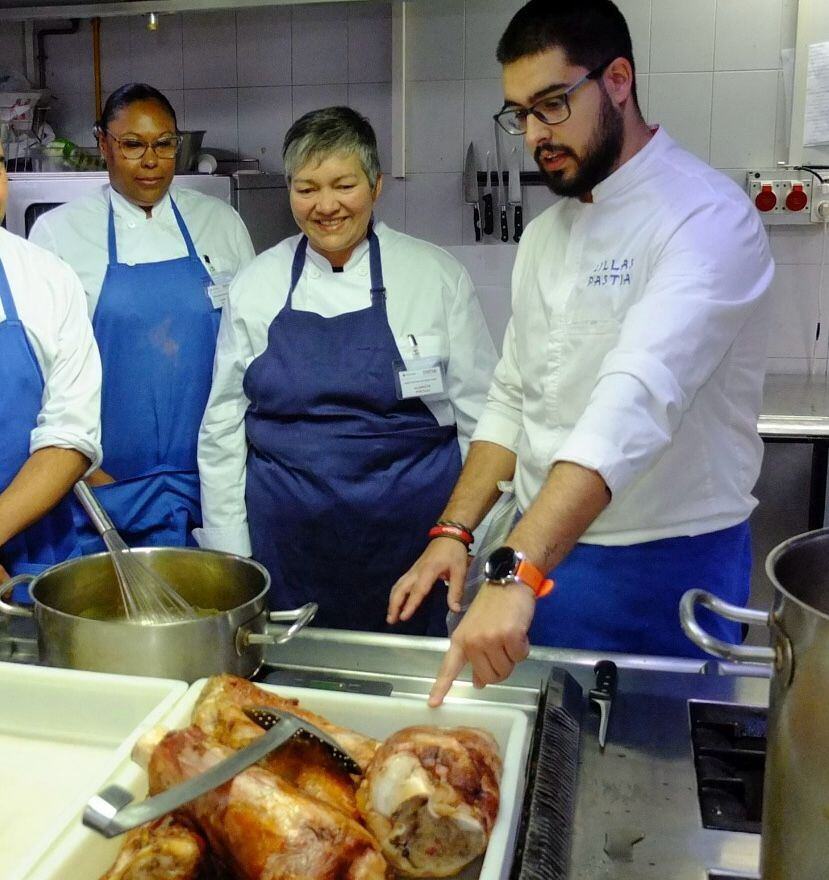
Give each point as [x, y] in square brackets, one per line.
[62, 733]
[81, 854]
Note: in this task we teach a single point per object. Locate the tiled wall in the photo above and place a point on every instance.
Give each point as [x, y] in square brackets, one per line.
[709, 71]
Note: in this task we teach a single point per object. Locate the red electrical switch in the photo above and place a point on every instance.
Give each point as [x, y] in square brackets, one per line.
[766, 198]
[796, 199]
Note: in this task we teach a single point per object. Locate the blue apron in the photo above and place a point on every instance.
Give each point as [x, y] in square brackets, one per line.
[156, 329]
[52, 539]
[343, 479]
[627, 598]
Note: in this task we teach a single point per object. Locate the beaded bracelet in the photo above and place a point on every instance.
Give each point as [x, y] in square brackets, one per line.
[452, 530]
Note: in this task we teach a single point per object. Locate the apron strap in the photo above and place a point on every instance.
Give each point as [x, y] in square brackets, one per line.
[112, 246]
[6, 297]
[296, 267]
[185, 234]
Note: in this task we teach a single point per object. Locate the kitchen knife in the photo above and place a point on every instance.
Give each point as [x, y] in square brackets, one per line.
[470, 187]
[489, 225]
[515, 194]
[601, 696]
[502, 192]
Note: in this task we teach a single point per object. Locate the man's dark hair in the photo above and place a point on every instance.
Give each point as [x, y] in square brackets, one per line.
[589, 32]
[129, 94]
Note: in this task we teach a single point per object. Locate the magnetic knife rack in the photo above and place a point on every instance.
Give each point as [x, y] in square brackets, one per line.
[527, 178]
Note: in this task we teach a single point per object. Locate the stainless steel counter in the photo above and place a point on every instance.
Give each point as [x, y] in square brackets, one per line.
[796, 410]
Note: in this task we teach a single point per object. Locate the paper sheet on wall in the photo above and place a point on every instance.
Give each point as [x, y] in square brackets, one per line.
[816, 119]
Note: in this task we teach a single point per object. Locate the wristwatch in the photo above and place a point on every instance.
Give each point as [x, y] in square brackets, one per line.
[507, 566]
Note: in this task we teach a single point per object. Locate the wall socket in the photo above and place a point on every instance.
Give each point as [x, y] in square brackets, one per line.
[783, 196]
[820, 202]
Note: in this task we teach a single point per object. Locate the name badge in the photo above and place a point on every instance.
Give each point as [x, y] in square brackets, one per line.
[420, 377]
[218, 289]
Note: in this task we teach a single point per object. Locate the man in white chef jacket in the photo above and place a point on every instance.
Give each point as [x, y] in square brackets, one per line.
[625, 405]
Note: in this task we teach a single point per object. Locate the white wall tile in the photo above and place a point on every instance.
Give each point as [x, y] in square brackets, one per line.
[798, 244]
[435, 40]
[209, 44]
[433, 207]
[373, 100]
[794, 366]
[157, 55]
[487, 266]
[486, 21]
[369, 42]
[637, 13]
[682, 36]
[72, 117]
[12, 49]
[265, 114]
[496, 304]
[795, 312]
[319, 44]
[682, 103]
[116, 53]
[740, 43]
[69, 62]
[788, 24]
[482, 98]
[391, 206]
[536, 200]
[215, 111]
[435, 126]
[263, 46]
[743, 119]
[643, 85]
[782, 125]
[308, 98]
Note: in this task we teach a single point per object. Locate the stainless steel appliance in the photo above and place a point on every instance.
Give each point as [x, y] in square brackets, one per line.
[261, 199]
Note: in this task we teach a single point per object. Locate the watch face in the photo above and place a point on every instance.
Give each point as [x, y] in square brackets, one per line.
[501, 564]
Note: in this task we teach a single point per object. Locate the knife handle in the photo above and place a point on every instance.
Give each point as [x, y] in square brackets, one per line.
[476, 219]
[605, 672]
[504, 227]
[489, 222]
[518, 224]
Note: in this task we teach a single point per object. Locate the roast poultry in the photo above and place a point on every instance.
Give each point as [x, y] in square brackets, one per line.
[260, 826]
[430, 797]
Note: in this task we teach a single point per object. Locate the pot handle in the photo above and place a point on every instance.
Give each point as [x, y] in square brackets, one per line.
[713, 645]
[299, 616]
[5, 595]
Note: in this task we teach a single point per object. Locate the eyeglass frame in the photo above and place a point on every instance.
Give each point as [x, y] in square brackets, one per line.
[526, 111]
[154, 145]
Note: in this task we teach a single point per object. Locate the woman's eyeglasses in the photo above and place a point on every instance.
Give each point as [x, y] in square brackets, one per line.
[166, 147]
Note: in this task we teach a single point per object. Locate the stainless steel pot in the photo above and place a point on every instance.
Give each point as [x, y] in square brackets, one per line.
[795, 824]
[81, 625]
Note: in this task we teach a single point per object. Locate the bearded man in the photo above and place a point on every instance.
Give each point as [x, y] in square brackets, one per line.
[625, 405]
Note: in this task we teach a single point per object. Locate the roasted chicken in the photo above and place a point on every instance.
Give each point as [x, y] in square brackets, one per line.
[430, 797]
[260, 826]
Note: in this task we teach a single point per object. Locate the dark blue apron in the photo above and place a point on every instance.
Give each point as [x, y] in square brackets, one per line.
[156, 329]
[52, 539]
[627, 598]
[343, 479]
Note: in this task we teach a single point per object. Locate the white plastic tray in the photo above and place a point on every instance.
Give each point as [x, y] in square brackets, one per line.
[82, 854]
[62, 733]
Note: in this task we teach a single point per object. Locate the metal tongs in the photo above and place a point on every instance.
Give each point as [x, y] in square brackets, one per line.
[111, 812]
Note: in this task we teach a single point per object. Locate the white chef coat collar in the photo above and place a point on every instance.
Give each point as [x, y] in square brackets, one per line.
[359, 253]
[630, 172]
[125, 208]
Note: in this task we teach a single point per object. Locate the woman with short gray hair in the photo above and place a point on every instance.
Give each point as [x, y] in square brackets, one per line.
[353, 362]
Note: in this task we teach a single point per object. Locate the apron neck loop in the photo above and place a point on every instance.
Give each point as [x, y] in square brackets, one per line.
[6, 297]
[297, 266]
[112, 243]
[378, 288]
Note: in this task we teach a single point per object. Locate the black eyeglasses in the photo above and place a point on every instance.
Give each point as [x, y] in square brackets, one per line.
[550, 110]
[133, 148]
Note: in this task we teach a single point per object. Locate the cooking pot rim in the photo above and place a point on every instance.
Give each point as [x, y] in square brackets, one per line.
[776, 553]
[77, 560]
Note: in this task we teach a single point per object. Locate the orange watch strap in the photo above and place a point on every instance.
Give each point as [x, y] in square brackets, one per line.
[528, 574]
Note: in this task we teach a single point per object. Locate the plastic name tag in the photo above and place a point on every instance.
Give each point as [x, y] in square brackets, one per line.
[420, 377]
[219, 288]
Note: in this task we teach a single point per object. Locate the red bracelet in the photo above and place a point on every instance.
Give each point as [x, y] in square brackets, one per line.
[447, 530]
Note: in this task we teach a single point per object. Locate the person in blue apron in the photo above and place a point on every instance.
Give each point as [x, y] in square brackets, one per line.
[50, 383]
[156, 263]
[625, 405]
[352, 364]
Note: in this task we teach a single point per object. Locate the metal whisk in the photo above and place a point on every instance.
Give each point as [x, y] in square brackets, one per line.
[147, 597]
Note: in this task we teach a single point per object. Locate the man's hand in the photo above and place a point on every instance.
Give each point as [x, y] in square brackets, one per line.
[443, 558]
[4, 575]
[492, 637]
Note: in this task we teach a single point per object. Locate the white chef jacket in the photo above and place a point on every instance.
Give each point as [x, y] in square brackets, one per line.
[429, 296]
[50, 305]
[637, 348]
[77, 232]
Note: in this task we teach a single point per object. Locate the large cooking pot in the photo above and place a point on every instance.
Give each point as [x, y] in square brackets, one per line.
[81, 625]
[795, 823]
